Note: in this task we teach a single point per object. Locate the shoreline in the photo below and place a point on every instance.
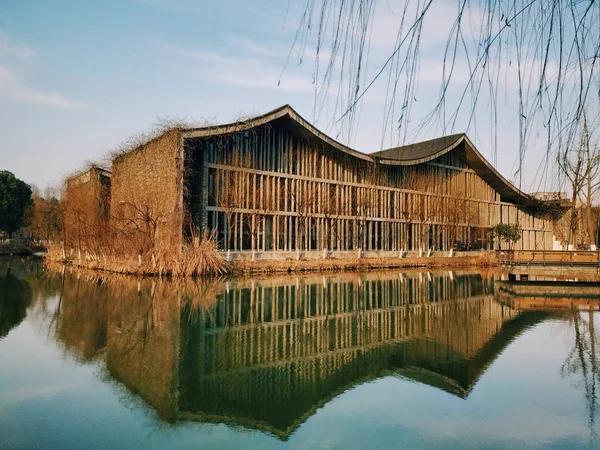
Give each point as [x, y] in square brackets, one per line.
[6, 250]
[266, 267]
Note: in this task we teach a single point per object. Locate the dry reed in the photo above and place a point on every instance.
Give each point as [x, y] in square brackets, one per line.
[197, 260]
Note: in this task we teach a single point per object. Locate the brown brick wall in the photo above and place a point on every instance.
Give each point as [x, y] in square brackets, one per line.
[86, 209]
[149, 178]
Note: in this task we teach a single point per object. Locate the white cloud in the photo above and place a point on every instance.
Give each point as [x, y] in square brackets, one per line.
[252, 72]
[12, 48]
[258, 79]
[199, 54]
[432, 71]
[11, 87]
[251, 46]
[186, 52]
[436, 26]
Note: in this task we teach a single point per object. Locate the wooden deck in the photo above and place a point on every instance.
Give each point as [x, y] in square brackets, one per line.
[550, 289]
[541, 303]
[549, 295]
[550, 257]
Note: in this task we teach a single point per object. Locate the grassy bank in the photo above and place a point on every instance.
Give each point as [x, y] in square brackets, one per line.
[196, 263]
[192, 261]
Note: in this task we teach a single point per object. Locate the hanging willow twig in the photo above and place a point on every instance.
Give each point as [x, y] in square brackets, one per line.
[553, 46]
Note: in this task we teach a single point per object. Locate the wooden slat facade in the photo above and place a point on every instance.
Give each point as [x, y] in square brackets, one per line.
[271, 189]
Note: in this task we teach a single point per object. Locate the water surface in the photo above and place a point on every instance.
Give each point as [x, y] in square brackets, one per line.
[379, 360]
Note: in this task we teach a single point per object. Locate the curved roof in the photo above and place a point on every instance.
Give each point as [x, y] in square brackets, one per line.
[419, 152]
[407, 155]
[285, 112]
[427, 151]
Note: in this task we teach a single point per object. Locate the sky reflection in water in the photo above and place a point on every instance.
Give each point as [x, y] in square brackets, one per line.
[346, 361]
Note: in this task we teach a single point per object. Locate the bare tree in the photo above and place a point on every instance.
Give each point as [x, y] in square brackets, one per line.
[259, 204]
[232, 189]
[139, 225]
[426, 206]
[581, 167]
[365, 202]
[303, 199]
[454, 215]
[47, 215]
[331, 209]
[592, 187]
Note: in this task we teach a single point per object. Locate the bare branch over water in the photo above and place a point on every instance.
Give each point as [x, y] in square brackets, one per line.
[539, 57]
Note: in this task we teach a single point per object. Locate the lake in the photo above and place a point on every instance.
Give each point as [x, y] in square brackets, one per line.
[350, 361]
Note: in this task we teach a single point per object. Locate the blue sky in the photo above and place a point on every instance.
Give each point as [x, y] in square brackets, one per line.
[78, 77]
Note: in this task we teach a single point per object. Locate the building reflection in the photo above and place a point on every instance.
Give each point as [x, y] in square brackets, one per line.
[267, 353]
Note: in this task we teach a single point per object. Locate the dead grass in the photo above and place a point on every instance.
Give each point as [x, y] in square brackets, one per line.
[193, 261]
[204, 259]
[200, 260]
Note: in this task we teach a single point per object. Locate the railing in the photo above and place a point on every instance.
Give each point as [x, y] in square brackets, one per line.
[549, 257]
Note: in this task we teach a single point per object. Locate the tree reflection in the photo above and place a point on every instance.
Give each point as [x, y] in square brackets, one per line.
[582, 361]
[15, 297]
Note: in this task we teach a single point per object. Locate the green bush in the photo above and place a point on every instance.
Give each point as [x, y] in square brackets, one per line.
[508, 233]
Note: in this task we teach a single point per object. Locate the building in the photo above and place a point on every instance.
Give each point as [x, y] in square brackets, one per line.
[550, 195]
[87, 207]
[267, 354]
[276, 183]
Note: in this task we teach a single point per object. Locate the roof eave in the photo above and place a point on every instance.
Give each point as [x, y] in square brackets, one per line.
[286, 110]
[236, 127]
[414, 161]
[495, 179]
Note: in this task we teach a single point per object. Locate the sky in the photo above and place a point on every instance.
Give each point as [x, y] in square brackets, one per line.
[78, 77]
